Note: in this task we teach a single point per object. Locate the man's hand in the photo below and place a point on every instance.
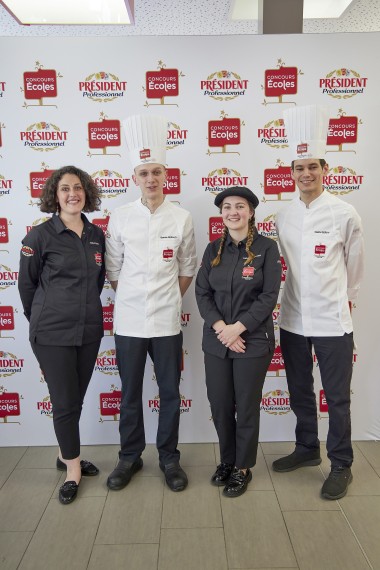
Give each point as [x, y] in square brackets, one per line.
[184, 284]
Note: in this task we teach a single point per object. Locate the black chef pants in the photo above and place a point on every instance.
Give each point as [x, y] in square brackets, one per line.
[67, 371]
[234, 390]
[166, 354]
[334, 355]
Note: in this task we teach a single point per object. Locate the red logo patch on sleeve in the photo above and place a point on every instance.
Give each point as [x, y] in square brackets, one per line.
[27, 251]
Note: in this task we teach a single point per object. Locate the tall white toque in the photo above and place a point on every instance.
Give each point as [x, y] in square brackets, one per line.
[306, 129]
[146, 137]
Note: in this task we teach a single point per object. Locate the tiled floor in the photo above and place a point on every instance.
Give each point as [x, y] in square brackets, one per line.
[280, 522]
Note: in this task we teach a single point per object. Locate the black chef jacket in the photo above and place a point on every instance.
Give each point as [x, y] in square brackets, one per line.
[234, 292]
[60, 280]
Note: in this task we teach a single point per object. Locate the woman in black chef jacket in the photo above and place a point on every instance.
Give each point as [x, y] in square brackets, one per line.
[236, 290]
[60, 281]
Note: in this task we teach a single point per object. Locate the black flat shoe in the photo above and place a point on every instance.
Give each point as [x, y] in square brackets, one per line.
[68, 492]
[88, 469]
[222, 474]
[175, 477]
[237, 483]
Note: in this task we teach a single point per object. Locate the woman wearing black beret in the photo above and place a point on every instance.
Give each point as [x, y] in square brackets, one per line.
[236, 290]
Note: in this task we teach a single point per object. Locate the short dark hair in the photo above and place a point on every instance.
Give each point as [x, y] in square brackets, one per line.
[48, 198]
[321, 161]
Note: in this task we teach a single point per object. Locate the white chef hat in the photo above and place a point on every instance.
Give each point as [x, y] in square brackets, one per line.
[306, 129]
[146, 137]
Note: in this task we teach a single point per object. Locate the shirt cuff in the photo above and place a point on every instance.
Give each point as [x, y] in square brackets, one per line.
[249, 322]
[113, 275]
[212, 317]
[352, 294]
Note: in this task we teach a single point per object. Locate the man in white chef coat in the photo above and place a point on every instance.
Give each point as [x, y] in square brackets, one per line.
[150, 261]
[321, 240]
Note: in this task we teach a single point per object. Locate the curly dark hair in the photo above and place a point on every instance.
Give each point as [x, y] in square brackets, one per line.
[48, 198]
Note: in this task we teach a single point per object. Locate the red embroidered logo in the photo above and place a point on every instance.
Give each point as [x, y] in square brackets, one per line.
[248, 272]
[27, 251]
[145, 153]
[320, 250]
[98, 258]
[302, 148]
[167, 254]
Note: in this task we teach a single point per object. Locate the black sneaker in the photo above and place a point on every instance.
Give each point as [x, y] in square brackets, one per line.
[222, 474]
[336, 484]
[237, 483]
[296, 460]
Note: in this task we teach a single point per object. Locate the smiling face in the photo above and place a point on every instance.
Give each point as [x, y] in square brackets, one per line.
[71, 196]
[236, 213]
[151, 179]
[308, 175]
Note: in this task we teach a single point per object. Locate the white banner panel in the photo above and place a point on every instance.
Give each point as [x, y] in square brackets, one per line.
[61, 102]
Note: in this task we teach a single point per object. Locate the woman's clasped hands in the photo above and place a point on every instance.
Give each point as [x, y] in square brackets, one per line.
[229, 335]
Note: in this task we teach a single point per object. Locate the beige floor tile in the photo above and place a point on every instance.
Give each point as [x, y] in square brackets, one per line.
[127, 556]
[192, 549]
[150, 459]
[277, 448]
[105, 458]
[197, 506]
[133, 515]
[24, 496]
[300, 490]
[371, 451]
[197, 454]
[39, 458]
[65, 536]
[323, 540]
[9, 458]
[12, 548]
[363, 514]
[255, 532]
[261, 478]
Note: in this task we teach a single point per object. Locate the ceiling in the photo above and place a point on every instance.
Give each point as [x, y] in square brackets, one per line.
[196, 17]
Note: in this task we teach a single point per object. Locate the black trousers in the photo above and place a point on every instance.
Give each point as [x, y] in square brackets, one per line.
[166, 354]
[67, 371]
[234, 390]
[334, 354]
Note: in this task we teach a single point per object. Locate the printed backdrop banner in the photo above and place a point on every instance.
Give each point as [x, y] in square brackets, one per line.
[62, 102]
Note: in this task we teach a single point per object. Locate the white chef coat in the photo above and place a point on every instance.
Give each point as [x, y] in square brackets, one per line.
[146, 253]
[323, 249]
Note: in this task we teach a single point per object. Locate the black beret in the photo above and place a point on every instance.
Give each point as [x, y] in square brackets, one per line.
[241, 191]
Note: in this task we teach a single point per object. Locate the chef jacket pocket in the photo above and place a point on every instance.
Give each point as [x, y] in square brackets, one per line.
[323, 244]
[169, 248]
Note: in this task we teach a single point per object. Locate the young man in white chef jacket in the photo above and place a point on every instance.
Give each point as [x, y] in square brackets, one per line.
[150, 262]
[322, 244]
